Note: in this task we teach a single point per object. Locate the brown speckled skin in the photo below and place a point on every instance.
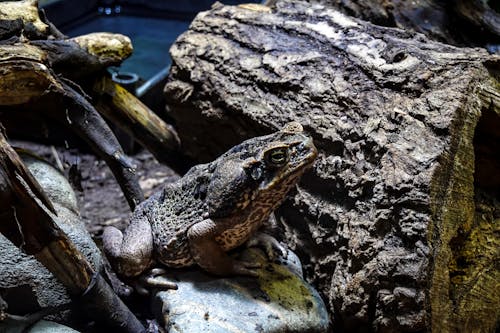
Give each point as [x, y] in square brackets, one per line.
[214, 208]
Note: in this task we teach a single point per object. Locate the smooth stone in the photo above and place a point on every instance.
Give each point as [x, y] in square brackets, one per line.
[279, 300]
[41, 326]
[44, 326]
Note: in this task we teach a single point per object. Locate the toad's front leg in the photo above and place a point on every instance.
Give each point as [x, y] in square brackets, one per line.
[130, 252]
[210, 256]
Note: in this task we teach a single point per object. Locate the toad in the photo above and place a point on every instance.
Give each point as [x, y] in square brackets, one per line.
[214, 208]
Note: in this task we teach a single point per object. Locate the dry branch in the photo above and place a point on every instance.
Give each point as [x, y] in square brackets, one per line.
[28, 221]
[123, 109]
[46, 73]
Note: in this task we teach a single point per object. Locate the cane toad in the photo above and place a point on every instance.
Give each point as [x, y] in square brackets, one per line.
[214, 208]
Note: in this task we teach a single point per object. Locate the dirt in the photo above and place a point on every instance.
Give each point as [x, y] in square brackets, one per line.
[100, 199]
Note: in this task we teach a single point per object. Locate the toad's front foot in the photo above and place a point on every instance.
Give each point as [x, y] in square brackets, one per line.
[244, 268]
[153, 279]
[271, 246]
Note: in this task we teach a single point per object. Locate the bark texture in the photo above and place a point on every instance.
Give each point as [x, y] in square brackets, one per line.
[459, 22]
[383, 220]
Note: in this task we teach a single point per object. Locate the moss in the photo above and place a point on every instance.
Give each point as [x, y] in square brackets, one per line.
[278, 285]
[475, 274]
[286, 289]
[453, 208]
[465, 293]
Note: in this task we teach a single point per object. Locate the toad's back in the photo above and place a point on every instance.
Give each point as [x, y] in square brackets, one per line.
[171, 212]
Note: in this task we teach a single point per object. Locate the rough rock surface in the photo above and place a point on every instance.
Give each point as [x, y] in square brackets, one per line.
[279, 300]
[380, 221]
[22, 276]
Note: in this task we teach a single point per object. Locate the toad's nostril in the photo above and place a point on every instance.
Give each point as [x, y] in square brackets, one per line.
[306, 144]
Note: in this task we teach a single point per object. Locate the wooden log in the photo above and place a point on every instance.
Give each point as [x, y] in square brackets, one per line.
[25, 77]
[84, 56]
[27, 69]
[387, 222]
[21, 21]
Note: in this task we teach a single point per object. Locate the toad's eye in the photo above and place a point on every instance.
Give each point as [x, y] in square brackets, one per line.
[277, 157]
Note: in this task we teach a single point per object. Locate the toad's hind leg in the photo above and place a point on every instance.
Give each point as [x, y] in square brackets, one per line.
[131, 251]
[210, 256]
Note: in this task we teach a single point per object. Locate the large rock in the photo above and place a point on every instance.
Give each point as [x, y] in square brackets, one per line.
[385, 223]
[279, 300]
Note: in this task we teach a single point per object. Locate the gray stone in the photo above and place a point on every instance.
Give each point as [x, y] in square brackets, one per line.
[279, 300]
[25, 325]
[44, 326]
